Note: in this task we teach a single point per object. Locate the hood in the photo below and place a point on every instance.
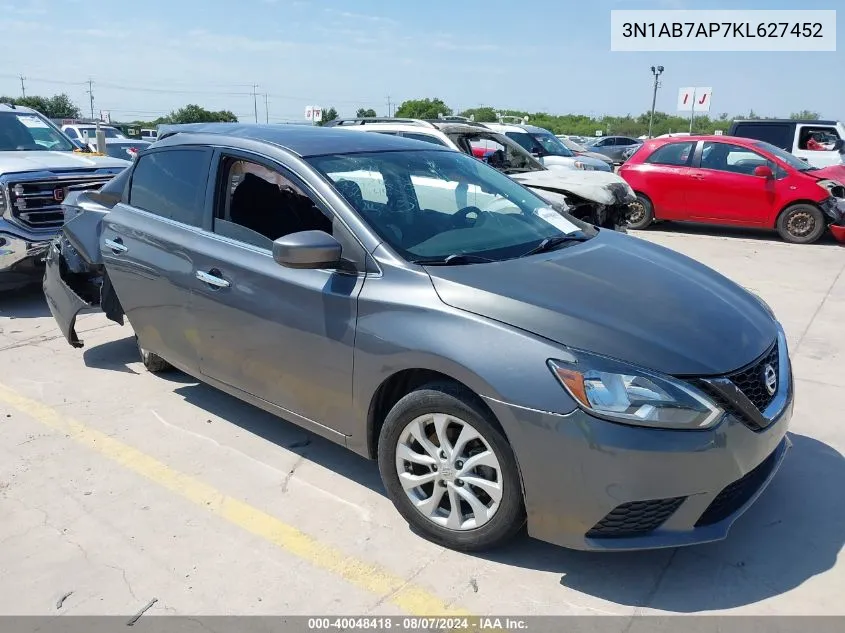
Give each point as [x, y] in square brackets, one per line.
[598, 186]
[51, 161]
[834, 172]
[622, 297]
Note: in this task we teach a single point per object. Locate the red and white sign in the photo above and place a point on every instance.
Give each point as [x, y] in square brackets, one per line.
[313, 113]
[697, 99]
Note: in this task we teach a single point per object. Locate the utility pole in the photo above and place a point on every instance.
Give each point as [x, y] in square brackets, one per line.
[23, 87]
[266, 109]
[656, 72]
[389, 112]
[255, 100]
[91, 95]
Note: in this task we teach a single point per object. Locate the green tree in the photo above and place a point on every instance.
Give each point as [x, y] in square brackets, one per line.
[56, 107]
[329, 114]
[484, 114]
[423, 109]
[193, 113]
[805, 114]
[365, 113]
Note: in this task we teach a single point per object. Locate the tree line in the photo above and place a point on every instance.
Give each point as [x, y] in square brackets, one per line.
[62, 107]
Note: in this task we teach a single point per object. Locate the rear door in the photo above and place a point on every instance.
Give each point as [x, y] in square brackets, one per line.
[146, 247]
[282, 335]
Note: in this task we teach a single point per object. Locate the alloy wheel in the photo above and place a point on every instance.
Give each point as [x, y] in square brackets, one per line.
[636, 212]
[449, 471]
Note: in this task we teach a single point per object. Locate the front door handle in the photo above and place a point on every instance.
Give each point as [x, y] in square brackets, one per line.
[116, 245]
[213, 278]
[698, 176]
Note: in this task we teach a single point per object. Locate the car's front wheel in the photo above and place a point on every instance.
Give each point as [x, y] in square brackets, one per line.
[640, 213]
[801, 224]
[449, 470]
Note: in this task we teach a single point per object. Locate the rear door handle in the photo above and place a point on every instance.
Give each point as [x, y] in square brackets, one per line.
[116, 246]
[213, 278]
[698, 176]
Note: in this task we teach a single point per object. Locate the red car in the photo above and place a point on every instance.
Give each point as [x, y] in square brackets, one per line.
[735, 181]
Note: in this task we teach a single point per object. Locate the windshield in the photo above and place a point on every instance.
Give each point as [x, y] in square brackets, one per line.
[786, 157]
[552, 144]
[30, 132]
[430, 204]
[497, 150]
[110, 132]
[572, 145]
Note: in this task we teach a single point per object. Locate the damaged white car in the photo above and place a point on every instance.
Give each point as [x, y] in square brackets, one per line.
[600, 198]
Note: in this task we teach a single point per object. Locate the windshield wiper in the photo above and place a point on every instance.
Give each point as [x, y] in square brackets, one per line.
[551, 243]
[455, 259]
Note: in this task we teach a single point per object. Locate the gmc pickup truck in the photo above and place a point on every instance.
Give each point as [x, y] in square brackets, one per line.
[39, 166]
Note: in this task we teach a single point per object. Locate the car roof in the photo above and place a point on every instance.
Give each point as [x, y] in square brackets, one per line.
[735, 140]
[303, 140]
[802, 121]
[5, 107]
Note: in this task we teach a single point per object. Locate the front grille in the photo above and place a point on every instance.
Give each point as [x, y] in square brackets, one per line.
[752, 382]
[737, 494]
[38, 203]
[635, 518]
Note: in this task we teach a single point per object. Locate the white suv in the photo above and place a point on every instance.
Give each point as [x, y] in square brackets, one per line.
[546, 147]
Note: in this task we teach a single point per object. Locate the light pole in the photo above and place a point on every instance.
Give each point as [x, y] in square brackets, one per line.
[656, 71]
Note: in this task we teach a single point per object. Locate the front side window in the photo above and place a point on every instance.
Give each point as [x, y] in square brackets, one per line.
[171, 183]
[441, 203]
[552, 145]
[260, 205]
[732, 158]
[674, 154]
[30, 132]
[499, 151]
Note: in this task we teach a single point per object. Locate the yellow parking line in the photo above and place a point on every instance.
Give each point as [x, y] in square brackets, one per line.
[411, 599]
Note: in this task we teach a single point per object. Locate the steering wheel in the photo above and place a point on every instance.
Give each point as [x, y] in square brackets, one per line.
[462, 216]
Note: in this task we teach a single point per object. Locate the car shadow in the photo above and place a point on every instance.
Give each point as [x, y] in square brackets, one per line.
[794, 531]
[739, 232]
[24, 303]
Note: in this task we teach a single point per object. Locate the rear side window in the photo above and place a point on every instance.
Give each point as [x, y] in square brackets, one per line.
[171, 183]
[424, 137]
[677, 154]
[778, 134]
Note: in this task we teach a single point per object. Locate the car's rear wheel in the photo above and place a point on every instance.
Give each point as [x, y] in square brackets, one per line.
[801, 224]
[640, 213]
[449, 470]
[152, 362]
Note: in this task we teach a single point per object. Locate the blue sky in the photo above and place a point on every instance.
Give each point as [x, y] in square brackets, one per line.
[552, 55]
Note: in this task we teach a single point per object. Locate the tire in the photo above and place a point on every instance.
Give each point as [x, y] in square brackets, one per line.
[801, 224]
[500, 519]
[152, 362]
[640, 214]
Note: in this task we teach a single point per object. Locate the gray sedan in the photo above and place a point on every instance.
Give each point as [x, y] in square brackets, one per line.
[581, 150]
[614, 147]
[501, 360]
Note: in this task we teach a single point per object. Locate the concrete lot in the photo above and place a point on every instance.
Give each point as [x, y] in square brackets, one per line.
[118, 487]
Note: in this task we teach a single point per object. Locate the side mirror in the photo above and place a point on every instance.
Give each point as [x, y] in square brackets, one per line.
[307, 249]
[764, 171]
[80, 145]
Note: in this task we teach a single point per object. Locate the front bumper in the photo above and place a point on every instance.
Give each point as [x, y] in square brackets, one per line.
[590, 484]
[21, 256]
[834, 208]
[65, 305]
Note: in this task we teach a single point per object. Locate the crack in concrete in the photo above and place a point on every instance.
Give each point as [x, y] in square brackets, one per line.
[290, 473]
[652, 592]
[125, 579]
[406, 581]
[818, 310]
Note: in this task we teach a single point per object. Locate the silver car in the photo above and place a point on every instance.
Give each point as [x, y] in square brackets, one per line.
[501, 360]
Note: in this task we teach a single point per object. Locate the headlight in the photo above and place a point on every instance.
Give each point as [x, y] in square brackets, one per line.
[623, 393]
[580, 165]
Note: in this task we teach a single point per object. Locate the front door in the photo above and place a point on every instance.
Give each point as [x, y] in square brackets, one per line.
[283, 335]
[146, 249]
[723, 189]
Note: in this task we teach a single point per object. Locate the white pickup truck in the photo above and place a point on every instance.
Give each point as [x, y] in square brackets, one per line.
[39, 165]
